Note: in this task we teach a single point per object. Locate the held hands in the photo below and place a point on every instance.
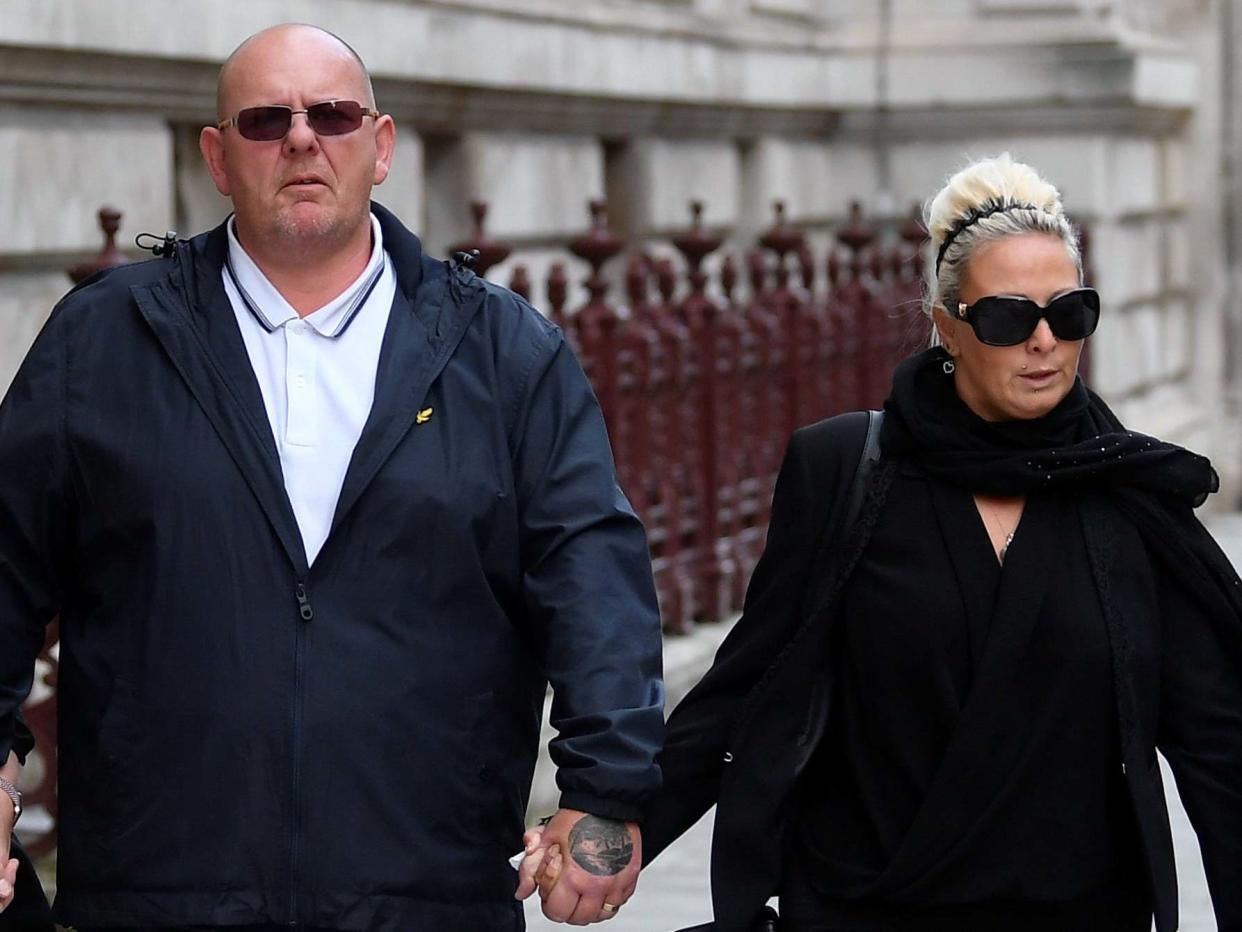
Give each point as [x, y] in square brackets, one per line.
[8, 864]
[585, 867]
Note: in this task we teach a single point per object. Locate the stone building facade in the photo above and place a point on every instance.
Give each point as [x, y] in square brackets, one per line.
[537, 105]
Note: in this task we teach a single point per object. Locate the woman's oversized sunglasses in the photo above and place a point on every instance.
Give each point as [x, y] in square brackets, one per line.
[329, 118]
[1006, 320]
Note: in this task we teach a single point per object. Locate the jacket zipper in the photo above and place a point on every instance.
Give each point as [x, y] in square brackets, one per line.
[304, 607]
[305, 613]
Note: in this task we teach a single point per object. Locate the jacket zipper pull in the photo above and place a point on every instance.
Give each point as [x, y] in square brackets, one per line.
[304, 606]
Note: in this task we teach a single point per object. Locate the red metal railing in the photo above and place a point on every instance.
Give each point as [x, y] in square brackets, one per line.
[701, 382]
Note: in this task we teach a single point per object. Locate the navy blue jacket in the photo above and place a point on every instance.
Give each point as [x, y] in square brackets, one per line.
[247, 739]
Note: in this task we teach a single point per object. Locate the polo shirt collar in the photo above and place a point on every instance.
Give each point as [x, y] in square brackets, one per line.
[271, 311]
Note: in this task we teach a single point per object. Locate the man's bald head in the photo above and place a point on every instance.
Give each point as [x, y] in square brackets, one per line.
[262, 41]
[304, 196]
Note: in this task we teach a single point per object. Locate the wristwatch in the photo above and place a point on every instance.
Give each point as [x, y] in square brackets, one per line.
[14, 794]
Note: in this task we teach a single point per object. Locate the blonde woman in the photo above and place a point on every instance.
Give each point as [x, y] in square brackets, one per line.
[946, 715]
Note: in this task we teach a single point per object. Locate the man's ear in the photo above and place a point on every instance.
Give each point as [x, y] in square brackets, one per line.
[211, 144]
[385, 145]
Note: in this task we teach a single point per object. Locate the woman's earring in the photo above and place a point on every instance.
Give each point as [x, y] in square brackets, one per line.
[948, 366]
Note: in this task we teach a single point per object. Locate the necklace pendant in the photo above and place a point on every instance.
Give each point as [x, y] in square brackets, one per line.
[1005, 549]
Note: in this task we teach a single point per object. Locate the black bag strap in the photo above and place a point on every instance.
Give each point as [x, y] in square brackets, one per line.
[838, 526]
[768, 921]
[866, 466]
[832, 533]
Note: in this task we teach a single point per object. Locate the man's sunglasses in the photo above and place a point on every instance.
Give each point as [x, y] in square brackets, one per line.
[330, 118]
[1005, 320]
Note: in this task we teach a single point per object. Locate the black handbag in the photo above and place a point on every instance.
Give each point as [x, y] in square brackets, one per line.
[768, 920]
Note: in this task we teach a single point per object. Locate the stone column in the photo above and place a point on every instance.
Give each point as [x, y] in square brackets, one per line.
[59, 167]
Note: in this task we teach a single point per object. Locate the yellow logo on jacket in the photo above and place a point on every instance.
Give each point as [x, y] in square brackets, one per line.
[423, 416]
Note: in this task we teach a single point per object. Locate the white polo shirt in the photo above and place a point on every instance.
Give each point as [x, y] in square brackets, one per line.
[316, 373]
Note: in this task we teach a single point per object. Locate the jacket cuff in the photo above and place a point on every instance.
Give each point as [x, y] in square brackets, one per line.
[23, 742]
[601, 806]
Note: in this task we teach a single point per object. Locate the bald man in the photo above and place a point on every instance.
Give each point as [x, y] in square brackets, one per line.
[321, 516]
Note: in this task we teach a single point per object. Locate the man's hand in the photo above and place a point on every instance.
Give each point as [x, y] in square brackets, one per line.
[586, 867]
[8, 865]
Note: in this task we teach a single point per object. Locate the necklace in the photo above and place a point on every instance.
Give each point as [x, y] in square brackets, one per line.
[1008, 535]
[1005, 549]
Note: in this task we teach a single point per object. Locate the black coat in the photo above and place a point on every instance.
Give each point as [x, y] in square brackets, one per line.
[744, 734]
[246, 739]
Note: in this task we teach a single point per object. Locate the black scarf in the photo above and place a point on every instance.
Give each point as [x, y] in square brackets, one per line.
[1078, 442]
[1079, 445]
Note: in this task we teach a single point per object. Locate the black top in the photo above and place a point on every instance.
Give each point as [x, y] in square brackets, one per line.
[928, 615]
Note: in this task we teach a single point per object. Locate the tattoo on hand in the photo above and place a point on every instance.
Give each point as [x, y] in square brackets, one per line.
[601, 846]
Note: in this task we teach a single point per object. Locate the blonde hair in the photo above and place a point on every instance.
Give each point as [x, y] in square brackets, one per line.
[986, 201]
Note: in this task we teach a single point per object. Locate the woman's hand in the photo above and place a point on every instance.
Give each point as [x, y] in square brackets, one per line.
[532, 870]
[8, 865]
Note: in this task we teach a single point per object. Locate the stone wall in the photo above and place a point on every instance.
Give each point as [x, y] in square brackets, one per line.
[537, 105]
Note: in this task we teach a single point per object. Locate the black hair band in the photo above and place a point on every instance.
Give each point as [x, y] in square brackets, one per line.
[973, 216]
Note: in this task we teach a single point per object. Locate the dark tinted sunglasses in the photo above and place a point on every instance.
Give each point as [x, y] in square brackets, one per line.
[330, 118]
[1004, 320]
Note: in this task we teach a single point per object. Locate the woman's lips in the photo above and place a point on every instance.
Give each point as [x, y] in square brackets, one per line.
[1040, 378]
